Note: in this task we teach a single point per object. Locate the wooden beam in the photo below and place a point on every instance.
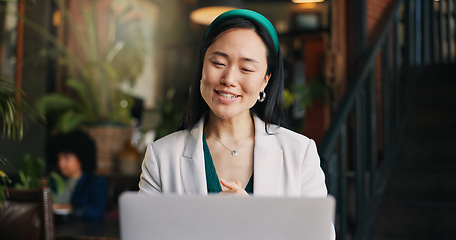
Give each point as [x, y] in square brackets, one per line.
[19, 49]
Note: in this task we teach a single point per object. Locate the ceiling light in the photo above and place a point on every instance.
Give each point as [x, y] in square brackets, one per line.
[307, 1]
[208, 10]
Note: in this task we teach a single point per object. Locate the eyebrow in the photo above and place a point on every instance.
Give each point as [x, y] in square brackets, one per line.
[244, 58]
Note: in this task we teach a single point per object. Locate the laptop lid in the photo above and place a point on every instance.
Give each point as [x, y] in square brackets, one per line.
[221, 217]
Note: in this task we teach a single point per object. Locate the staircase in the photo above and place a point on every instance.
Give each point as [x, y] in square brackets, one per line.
[420, 199]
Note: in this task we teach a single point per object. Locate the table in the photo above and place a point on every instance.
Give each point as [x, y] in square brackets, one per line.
[74, 229]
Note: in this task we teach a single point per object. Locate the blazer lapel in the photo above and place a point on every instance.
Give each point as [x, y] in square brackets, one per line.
[268, 161]
[192, 162]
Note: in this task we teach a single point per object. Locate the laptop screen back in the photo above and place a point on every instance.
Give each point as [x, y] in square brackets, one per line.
[215, 217]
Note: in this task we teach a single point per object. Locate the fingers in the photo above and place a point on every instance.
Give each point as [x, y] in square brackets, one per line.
[234, 188]
[234, 192]
[231, 185]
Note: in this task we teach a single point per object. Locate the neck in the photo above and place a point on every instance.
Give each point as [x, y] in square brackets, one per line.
[233, 129]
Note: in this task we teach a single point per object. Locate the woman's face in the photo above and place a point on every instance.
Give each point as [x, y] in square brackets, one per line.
[234, 72]
[69, 165]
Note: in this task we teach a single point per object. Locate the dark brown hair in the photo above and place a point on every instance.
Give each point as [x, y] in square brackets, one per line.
[272, 110]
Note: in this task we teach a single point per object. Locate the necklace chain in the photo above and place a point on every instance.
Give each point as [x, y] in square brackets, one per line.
[234, 152]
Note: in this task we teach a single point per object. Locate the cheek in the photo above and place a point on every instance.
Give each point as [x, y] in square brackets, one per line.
[203, 87]
[206, 84]
[61, 161]
[63, 167]
[77, 166]
[209, 75]
[61, 164]
[203, 75]
[203, 82]
[74, 163]
[254, 86]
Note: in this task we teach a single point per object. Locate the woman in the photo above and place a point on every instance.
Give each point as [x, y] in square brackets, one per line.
[231, 138]
[85, 194]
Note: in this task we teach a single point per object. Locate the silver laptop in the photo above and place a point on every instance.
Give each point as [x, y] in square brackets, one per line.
[163, 217]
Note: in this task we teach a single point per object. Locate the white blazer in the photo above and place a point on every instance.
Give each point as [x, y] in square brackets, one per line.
[285, 164]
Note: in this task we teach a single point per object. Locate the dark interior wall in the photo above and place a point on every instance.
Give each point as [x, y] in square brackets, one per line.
[34, 82]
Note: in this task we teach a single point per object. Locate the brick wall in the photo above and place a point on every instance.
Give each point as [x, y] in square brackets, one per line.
[375, 11]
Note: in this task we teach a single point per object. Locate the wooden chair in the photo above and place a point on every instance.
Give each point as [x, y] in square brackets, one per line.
[27, 214]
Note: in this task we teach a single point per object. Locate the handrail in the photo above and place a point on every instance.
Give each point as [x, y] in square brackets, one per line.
[348, 100]
[353, 158]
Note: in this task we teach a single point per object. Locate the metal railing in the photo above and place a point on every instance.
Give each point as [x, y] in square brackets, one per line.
[364, 138]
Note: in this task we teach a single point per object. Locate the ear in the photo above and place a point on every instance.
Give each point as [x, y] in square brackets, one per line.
[266, 81]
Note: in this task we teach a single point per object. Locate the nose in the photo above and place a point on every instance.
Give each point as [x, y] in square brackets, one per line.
[229, 77]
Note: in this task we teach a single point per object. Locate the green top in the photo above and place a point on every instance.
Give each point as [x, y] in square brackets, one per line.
[212, 179]
[64, 197]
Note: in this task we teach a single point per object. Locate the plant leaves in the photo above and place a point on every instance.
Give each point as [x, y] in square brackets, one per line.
[70, 120]
[58, 180]
[55, 102]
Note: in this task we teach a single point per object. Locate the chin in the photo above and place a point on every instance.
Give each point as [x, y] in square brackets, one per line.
[228, 112]
[227, 115]
[223, 116]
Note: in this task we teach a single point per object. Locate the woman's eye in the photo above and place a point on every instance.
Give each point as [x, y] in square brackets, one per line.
[246, 70]
[218, 64]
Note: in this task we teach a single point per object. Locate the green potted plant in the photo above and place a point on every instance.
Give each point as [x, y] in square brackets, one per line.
[95, 68]
[10, 111]
[4, 181]
[97, 62]
[300, 97]
[11, 120]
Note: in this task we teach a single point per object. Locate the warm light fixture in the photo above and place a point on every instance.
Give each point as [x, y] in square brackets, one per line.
[307, 1]
[208, 10]
[307, 5]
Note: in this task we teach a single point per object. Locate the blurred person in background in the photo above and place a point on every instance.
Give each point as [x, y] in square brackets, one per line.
[85, 194]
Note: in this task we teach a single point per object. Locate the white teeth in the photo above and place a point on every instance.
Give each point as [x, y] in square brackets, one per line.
[226, 95]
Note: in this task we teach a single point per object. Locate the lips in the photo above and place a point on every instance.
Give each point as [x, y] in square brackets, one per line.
[227, 95]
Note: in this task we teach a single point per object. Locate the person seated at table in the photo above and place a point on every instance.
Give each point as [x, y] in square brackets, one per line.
[85, 194]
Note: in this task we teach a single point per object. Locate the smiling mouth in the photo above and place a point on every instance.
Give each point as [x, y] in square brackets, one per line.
[227, 95]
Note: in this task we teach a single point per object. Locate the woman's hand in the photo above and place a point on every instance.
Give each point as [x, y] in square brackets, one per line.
[234, 188]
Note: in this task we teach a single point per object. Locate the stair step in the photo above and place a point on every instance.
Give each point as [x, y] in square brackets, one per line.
[430, 121]
[420, 199]
[424, 183]
[443, 155]
[415, 220]
[432, 146]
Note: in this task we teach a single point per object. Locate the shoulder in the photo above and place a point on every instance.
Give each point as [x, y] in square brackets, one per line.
[272, 131]
[289, 135]
[170, 144]
[92, 179]
[90, 184]
[173, 138]
[291, 141]
[175, 145]
[296, 148]
[286, 139]
[179, 142]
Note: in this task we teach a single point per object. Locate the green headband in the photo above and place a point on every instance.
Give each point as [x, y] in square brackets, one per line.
[250, 15]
